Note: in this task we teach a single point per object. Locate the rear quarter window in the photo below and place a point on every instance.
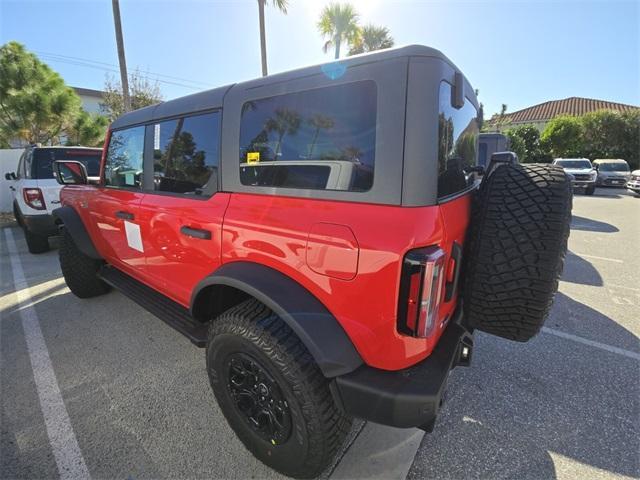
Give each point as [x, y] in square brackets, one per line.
[457, 144]
[322, 139]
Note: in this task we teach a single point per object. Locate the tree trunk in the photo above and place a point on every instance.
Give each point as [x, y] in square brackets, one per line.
[121, 58]
[263, 40]
[337, 42]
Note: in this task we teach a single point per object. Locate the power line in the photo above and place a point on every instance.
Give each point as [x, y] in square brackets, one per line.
[83, 62]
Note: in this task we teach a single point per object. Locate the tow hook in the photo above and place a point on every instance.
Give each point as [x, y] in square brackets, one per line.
[465, 349]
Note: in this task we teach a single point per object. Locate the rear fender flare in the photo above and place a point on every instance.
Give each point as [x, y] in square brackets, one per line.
[316, 327]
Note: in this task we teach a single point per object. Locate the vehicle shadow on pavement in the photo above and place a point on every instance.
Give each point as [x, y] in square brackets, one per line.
[578, 270]
[589, 225]
[543, 409]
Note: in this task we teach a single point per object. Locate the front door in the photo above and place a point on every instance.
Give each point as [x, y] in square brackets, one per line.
[182, 216]
[115, 210]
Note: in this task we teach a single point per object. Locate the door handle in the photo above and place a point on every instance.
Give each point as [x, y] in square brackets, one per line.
[196, 233]
[124, 215]
[12, 188]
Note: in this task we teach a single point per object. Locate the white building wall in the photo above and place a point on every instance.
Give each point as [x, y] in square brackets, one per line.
[8, 163]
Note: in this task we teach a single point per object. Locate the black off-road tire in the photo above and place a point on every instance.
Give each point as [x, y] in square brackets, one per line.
[589, 190]
[516, 248]
[317, 427]
[35, 243]
[80, 271]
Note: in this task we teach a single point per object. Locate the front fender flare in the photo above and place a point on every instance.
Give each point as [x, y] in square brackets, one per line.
[72, 222]
[316, 327]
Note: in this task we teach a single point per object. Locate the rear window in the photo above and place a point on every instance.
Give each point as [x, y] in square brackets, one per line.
[43, 158]
[457, 144]
[317, 139]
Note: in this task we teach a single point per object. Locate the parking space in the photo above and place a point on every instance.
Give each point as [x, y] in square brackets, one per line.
[137, 396]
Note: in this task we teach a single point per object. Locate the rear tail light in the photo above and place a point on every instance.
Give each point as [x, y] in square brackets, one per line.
[33, 197]
[421, 291]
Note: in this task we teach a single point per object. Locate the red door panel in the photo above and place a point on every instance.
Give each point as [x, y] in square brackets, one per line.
[176, 258]
[107, 209]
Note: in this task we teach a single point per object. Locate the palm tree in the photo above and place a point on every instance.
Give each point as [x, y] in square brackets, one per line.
[319, 122]
[338, 23]
[285, 122]
[280, 5]
[370, 38]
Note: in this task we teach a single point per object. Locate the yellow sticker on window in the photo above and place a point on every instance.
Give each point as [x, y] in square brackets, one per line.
[253, 157]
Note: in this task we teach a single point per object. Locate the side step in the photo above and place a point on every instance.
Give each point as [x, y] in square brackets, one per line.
[170, 312]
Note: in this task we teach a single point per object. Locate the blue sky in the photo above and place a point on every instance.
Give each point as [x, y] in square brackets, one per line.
[515, 52]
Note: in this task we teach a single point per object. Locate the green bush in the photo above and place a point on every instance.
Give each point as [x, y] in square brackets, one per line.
[601, 134]
[563, 137]
[525, 142]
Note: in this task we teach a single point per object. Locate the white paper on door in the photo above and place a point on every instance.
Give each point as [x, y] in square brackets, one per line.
[134, 239]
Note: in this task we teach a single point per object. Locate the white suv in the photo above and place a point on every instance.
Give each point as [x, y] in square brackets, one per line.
[36, 192]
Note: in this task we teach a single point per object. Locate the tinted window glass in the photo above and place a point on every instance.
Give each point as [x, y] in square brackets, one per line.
[574, 163]
[458, 141]
[186, 154]
[123, 166]
[613, 167]
[319, 139]
[43, 158]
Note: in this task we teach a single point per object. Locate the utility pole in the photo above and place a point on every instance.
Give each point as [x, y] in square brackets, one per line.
[121, 58]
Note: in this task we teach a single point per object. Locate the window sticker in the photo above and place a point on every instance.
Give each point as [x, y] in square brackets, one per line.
[134, 239]
[253, 157]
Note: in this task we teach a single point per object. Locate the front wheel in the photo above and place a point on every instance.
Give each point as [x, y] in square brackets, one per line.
[589, 190]
[80, 272]
[272, 393]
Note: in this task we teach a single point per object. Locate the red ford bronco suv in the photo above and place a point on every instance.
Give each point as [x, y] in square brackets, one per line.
[324, 234]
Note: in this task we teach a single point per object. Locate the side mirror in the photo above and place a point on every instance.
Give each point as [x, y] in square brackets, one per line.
[10, 176]
[70, 172]
[595, 166]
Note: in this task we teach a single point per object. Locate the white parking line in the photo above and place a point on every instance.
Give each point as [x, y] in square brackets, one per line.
[615, 260]
[591, 343]
[69, 459]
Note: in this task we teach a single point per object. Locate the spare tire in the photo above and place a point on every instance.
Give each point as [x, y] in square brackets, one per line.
[515, 249]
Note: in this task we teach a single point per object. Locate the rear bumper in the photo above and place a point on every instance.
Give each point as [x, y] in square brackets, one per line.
[406, 398]
[40, 224]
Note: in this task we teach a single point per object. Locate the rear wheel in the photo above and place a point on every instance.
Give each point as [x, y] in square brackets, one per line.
[35, 243]
[516, 248]
[80, 271]
[272, 392]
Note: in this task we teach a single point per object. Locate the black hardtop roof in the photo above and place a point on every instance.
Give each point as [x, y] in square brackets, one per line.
[212, 99]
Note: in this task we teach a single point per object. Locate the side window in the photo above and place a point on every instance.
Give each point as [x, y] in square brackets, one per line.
[321, 139]
[28, 157]
[186, 154]
[457, 144]
[123, 164]
[20, 168]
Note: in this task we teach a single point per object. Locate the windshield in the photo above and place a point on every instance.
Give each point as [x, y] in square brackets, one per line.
[43, 159]
[613, 167]
[574, 163]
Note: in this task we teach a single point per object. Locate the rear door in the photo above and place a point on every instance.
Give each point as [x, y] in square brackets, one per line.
[114, 209]
[181, 215]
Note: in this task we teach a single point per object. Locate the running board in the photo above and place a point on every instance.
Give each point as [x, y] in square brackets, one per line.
[170, 312]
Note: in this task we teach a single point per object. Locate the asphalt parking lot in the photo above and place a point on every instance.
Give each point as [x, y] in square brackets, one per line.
[138, 405]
